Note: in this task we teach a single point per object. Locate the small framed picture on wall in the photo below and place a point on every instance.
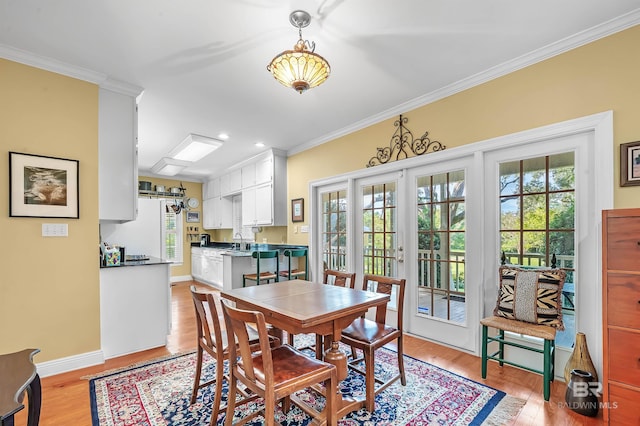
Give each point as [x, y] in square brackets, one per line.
[193, 217]
[630, 164]
[297, 210]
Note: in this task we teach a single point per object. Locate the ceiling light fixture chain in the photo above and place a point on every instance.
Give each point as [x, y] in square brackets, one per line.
[402, 144]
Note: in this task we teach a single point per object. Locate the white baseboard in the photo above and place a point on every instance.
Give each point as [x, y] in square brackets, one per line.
[75, 362]
[180, 278]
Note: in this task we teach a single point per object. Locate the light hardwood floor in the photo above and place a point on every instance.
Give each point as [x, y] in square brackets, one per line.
[65, 399]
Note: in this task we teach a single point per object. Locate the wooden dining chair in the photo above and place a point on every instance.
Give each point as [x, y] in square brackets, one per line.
[264, 276]
[273, 373]
[340, 279]
[301, 256]
[213, 339]
[370, 335]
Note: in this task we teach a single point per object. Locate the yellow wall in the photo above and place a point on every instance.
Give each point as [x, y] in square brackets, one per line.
[49, 290]
[270, 234]
[597, 77]
[194, 190]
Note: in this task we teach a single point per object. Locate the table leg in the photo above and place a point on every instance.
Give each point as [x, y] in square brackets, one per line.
[34, 393]
[336, 357]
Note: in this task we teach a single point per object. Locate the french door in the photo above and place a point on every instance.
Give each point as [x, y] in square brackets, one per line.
[441, 221]
[443, 295]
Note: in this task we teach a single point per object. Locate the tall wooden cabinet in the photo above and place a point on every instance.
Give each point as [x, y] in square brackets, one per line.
[621, 315]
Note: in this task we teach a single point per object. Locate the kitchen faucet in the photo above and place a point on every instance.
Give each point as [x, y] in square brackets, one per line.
[240, 245]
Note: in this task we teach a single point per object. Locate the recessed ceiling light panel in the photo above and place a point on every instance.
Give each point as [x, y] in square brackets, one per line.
[195, 148]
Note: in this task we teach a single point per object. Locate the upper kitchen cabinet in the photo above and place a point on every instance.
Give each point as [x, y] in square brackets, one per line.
[262, 181]
[264, 203]
[118, 156]
[231, 183]
[258, 172]
[211, 189]
[217, 213]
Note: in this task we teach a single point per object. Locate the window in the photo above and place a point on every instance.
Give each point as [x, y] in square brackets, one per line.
[334, 230]
[171, 233]
[379, 229]
[441, 245]
[537, 221]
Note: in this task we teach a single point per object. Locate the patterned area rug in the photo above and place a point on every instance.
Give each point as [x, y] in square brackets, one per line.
[158, 393]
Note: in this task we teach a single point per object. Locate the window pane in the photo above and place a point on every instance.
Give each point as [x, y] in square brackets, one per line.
[534, 176]
[457, 216]
[510, 245]
[561, 172]
[535, 248]
[510, 178]
[424, 218]
[561, 210]
[535, 212]
[510, 213]
[456, 185]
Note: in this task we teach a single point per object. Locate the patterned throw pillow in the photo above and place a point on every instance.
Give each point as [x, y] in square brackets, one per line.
[531, 295]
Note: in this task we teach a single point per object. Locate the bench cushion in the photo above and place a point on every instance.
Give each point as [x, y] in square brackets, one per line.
[531, 295]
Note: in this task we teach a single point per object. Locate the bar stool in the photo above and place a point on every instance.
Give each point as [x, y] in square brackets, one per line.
[299, 254]
[265, 276]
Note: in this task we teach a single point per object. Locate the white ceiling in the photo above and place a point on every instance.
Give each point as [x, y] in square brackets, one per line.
[202, 63]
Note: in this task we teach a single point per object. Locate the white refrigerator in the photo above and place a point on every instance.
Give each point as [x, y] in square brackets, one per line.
[142, 236]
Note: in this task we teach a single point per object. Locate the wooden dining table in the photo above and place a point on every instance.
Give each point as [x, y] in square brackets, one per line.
[300, 306]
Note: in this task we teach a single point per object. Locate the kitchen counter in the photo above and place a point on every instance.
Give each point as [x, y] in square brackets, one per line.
[135, 307]
[221, 265]
[229, 250]
[150, 261]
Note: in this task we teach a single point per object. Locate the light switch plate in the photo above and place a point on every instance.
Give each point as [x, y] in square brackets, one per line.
[55, 230]
[304, 228]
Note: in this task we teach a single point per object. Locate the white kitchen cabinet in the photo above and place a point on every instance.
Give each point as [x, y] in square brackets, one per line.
[197, 260]
[231, 183]
[249, 207]
[248, 175]
[206, 265]
[211, 188]
[265, 204]
[258, 172]
[257, 205]
[217, 213]
[117, 156]
[264, 170]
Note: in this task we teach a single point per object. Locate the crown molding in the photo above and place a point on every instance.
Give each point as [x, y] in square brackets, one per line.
[59, 67]
[582, 38]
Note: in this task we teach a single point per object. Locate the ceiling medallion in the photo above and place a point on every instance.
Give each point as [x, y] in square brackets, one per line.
[300, 68]
[402, 144]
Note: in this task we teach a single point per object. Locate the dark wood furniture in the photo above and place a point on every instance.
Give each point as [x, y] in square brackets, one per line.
[370, 335]
[621, 315]
[212, 338]
[266, 276]
[306, 307]
[17, 375]
[339, 278]
[274, 373]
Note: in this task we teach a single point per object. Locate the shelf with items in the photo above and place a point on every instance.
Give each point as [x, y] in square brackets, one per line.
[193, 234]
[156, 194]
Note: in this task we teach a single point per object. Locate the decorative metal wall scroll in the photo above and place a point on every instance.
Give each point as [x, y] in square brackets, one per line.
[402, 144]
